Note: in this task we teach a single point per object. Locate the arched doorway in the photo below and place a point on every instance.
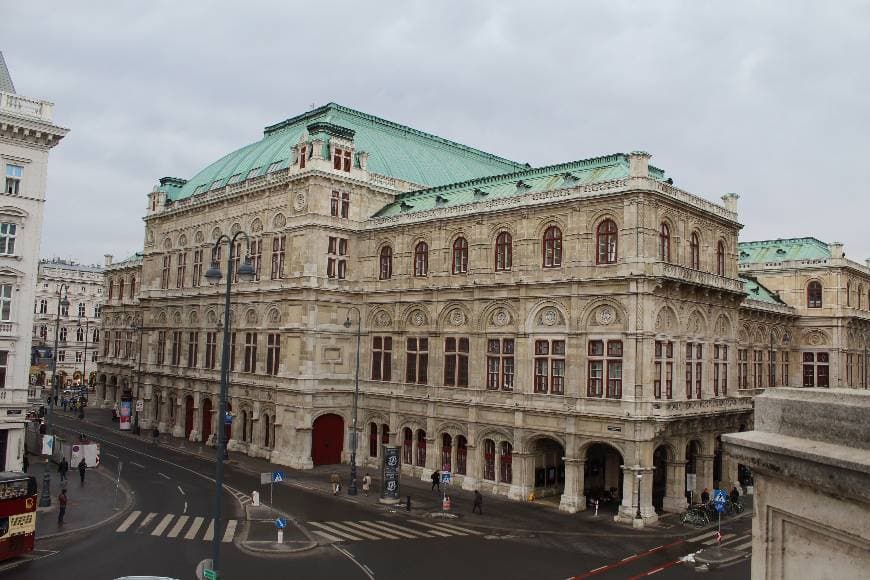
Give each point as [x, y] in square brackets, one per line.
[693, 451]
[206, 420]
[662, 461]
[188, 416]
[549, 467]
[327, 439]
[602, 476]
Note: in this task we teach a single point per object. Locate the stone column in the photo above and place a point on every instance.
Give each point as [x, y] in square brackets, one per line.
[675, 494]
[433, 459]
[195, 433]
[163, 412]
[628, 508]
[178, 427]
[573, 498]
[704, 468]
[729, 472]
[470, 480]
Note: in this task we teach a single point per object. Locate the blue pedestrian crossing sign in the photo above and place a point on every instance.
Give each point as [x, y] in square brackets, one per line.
[228, 419]
[277, 476]
[446, 476]
[280, 523]
[720, 497]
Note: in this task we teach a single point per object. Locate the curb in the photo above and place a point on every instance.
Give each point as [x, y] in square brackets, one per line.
[117, 515]
[243, 545]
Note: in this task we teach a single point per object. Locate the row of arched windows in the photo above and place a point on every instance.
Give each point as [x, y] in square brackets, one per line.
[120, 285]
[694, 250]
[607, 236]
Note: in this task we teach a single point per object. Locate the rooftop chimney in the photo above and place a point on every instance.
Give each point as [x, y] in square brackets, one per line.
[836, 249]
[108, 259]
[730, 201]
[638, 164]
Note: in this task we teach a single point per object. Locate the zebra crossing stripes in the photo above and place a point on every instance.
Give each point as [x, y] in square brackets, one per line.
[356, 531]
[172, 525]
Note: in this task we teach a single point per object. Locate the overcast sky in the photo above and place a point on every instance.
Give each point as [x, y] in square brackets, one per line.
[769, 100]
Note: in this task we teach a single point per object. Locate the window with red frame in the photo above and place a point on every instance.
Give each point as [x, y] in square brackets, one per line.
[460, 255]
[197, 268]
[815, 369]
[489, 459]
[385, 270]
[461, 454]
[256, 257]
[552, 247]
[446, 452]
[665, 243]
[456, 361]
[503, 252]
[720, 369]
[417, 361]
[421, 448]
[182, 270]
[814, 294]
[407, 446]
[694, 368]
[341, 159]
[720, 258]
[500, 364]
[303, 155]
[421, 259]
[506, 452]
[382, 358]
[607, 240]
[336, 262]
[663, 381]
[695, 252]
[279, 244]
[373, 439]
[605, 369]
[550, 366]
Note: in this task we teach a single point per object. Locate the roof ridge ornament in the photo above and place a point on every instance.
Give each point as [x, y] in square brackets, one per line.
[480, 193]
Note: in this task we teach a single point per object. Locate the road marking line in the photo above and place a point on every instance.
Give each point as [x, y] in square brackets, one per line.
[137, 465]
[449, 527]
[701, 537]
[621, 563]
[194, 528]
[179, 525]
[364, 568]
[599, 568]
[129, 521]
[147, 520]
[209, 532]
[160, 473]
[383, 526]
[327, 536]
[655, 570]
[342, 526]
[185, 507]
[407, 533]
[369, 529]
[230, 531]
[735, 540]
[164, 523]
[181, 491]
[627, 558]
[334, 531]
[443, 533]
[713, 541]
[110, 455]
[742, 546]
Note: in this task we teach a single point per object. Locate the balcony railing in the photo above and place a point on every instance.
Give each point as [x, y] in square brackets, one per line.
[684, 274]
[24, 107]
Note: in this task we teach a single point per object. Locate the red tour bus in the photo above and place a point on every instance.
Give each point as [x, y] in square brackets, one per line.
[17, 514]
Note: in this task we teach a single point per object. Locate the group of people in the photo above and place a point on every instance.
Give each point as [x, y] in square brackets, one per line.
[62, 500]
[734, 495]
[335, 482]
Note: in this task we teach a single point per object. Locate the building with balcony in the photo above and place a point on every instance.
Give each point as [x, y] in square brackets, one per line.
[27, 134]
[569, 332]
[77, 325]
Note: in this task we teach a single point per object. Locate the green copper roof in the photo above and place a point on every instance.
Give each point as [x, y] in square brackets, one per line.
[782, 250]
[393, 150]
[756, 291]
[515, 183]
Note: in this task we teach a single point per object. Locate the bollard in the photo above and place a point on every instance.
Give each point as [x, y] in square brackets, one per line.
[255, 498]
[280, 536]
[408, 504]
[596, 508]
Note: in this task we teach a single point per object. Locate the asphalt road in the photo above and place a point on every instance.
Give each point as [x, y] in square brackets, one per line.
[166, 482]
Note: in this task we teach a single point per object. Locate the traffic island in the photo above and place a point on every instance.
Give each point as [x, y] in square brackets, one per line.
[271, 532]
[716, 557]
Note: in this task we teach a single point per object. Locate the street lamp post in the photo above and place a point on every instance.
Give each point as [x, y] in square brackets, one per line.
[62, 302]
[138, 328]
[245, 273]
[84, 366]
[638, 515]
[352, 490]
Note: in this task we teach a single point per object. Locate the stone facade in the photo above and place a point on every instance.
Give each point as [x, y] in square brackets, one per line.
[78, 330]
[27, 134]
[810, 452]
[556, 331]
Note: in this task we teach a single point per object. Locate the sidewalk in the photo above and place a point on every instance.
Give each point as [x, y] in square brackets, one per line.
[500, 514]
[88, 505]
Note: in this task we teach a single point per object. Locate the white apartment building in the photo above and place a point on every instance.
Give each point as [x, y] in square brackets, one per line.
[27, 133]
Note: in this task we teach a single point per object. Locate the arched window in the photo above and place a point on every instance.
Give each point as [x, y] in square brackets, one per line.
[460, 255]
[695, 252]
[814, 294]
[132, 286]
[606, 242]
[120, 289]
[505, 456]
[552, 247]
[266, 431]
[720, 258]
[446, 452]
[421, 259]
[489, 459]
[665, 243]
[80, 334]
[848, 294]
[461, 454]
[503, 252]
[860, 296]
[421, 448]
[63, 334]
[407, 445]
[111, 288]
[373, 439]
[385, 271]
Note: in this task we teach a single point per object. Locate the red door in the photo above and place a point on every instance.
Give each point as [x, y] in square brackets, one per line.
[327, 440]
[206, 419]
[188, 416]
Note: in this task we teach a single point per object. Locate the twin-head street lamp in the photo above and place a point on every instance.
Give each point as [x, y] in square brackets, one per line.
[352, 490]
[245, 273]
[62, 306]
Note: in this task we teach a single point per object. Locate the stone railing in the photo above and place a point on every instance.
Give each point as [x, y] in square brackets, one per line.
[13, 396]
[697, 277]
[769, 307]
[688, 198]
[7, 329]
[700, 407]
[22, 106]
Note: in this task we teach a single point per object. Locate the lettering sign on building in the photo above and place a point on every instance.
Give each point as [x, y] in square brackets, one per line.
[390, 470]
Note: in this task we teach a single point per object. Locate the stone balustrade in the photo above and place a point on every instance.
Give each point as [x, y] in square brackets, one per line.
[25, 107]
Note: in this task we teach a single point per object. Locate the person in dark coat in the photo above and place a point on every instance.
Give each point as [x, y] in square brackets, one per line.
[61, 502]
[478, 502]
[705, 495]
[735, 495]
[62, 468]
[436, 481]
[83, 467]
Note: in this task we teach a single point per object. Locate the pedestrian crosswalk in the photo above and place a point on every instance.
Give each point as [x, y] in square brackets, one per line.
[355, 531]
[732, 541]
[172, 525]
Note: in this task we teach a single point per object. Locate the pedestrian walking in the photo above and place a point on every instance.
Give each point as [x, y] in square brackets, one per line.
[705, 495]
[83, 466]
[335, 480]
[436, 481]
[64, 403]
[155, 435]
[62, 468]
[61, 502]
[367, 484]
[478, 502]
[735, 495]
